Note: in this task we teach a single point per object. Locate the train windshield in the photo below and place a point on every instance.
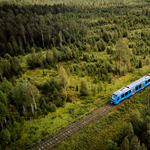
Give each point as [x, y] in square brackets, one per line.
[114, 96]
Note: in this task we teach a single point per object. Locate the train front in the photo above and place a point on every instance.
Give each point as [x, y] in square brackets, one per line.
[113, 98]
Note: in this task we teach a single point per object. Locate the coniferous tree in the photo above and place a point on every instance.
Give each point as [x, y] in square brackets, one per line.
[125, 144]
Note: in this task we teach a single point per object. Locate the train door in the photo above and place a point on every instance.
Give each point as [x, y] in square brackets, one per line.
[142, 85]
[133, 91]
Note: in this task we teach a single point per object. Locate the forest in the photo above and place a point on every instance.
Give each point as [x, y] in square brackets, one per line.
[60, 60]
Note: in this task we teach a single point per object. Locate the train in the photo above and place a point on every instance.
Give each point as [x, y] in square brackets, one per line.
[130, 89]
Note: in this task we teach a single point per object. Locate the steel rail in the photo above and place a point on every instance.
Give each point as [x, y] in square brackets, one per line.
[63, 134]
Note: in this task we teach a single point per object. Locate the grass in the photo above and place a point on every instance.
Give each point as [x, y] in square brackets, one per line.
[36, 75]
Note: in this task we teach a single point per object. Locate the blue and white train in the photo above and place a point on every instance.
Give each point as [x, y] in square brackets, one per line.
[130, 89]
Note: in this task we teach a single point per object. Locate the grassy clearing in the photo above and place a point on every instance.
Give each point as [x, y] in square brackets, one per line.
[36, 76]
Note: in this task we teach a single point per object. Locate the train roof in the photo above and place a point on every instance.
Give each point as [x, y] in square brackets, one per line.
[126, 88]
[138, 81]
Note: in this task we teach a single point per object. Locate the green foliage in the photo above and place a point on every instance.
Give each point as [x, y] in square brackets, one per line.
[24, 94]
[83, 88]
[126, 131]
[4, 137]
[6, 86]
[125, 144]
[53, 107]
[101, 45]
[3, 98]
[135, 143]
[3, 112]
[60, 102]
[110, 145]
[91, 30]
[71, 110]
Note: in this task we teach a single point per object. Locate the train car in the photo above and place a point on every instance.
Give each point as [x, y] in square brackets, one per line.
[130, 89]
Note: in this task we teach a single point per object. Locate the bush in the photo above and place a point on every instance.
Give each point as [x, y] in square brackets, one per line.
[60, 102]
[71, 110]
[83, 88]
[53, 107]
[45, 111]
[71, 96]
[95, 80]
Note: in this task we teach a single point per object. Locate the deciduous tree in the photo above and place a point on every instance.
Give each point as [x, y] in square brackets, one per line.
[63, 77]
[121, 52]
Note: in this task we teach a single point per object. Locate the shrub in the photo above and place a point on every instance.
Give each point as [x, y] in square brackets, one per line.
[83, 88]
[53, 107]
[60, 102]
[71, 96]
[45, 111]
[71, 110]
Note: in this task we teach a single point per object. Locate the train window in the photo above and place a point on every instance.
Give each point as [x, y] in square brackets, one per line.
[139, 86]
[126, 93]
[149, 80]
[129, 91]
[122, 95]
[146, 82]
[118, 99]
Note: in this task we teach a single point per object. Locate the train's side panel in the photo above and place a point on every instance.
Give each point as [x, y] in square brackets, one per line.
[133, 90]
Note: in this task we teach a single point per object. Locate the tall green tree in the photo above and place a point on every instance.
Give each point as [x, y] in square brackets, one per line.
[125, 144]
[25, 96]
[3, 98]
[6, 86]
[135, 143]
[121, 51]
[3, 112]
[5, 137]
[49, 58]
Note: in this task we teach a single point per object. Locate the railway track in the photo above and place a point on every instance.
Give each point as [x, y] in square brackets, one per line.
[61, 135]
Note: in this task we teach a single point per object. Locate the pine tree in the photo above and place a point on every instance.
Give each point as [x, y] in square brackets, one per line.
[135, 143]
[125, 144]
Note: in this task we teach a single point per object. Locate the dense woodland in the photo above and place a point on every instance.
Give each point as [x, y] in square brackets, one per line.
[46, 36]
[133, 135]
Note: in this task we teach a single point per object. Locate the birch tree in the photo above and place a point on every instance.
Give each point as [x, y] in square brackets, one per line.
[63, 77]
[25, 95]
[120, 55]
